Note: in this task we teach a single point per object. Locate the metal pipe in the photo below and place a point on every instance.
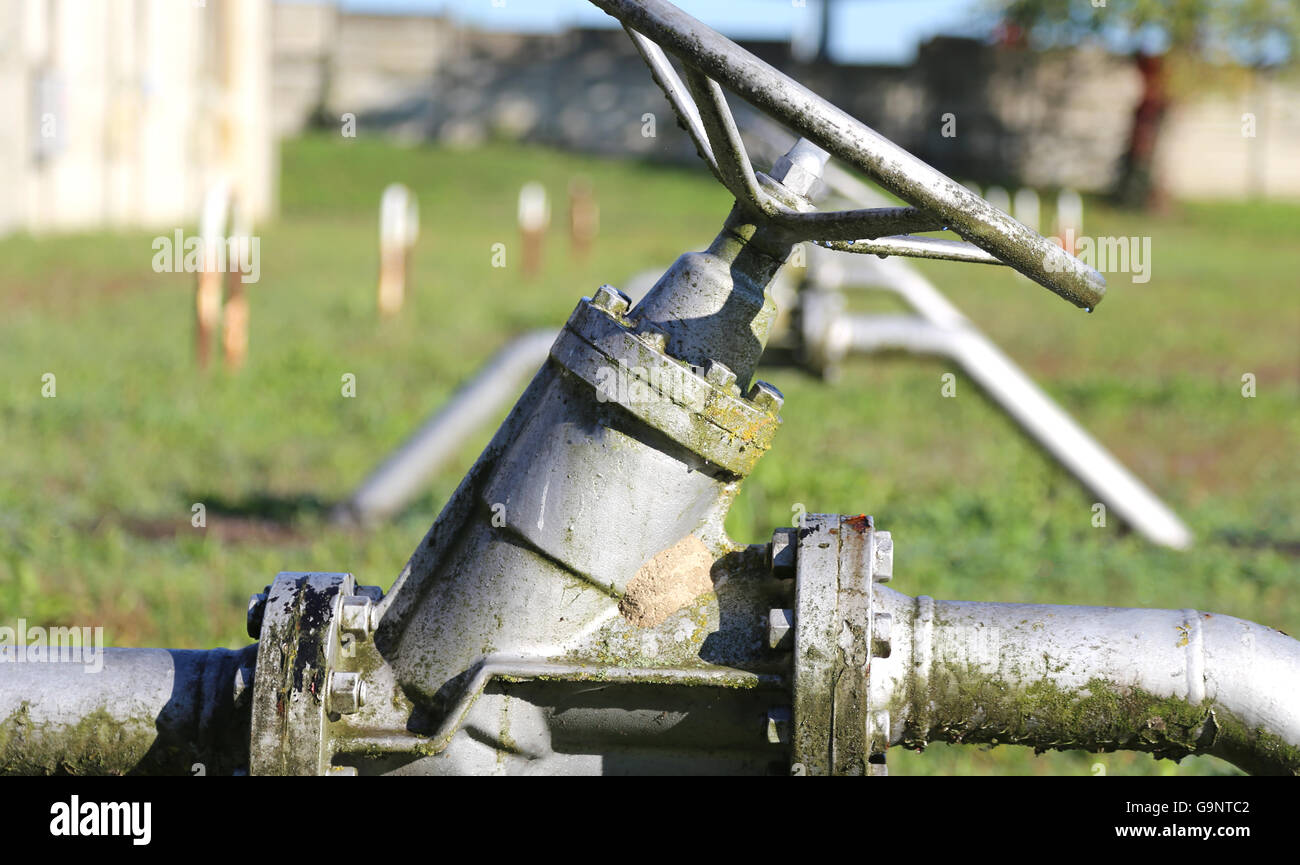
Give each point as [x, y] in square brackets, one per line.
[1169, 682]
[949, 333]
[135, 711]
[404, 474]
[1046, 422]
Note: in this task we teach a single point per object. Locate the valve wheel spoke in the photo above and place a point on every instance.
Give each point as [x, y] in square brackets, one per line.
[710, 63]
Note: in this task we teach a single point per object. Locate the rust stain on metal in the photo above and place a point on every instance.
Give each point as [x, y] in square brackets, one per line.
[859, 524]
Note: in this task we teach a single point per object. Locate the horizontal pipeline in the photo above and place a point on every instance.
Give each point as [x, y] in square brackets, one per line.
[1168, 682]
[143, 712]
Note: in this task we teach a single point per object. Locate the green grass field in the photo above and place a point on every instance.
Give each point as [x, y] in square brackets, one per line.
[97, 484]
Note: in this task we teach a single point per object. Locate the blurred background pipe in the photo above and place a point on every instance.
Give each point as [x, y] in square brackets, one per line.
[405, 474]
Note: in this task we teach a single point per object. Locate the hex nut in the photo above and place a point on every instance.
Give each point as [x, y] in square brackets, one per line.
[882, 568]
[800, 168]
[785, 542]
[766, 397]
[256, 612]
[780, 630]
[347, 693]
[657, 340]
[354, 617]
[611, 300]
[778, 726]
[719, 375]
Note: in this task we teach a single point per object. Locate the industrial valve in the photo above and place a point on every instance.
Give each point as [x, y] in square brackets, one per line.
[577, 607]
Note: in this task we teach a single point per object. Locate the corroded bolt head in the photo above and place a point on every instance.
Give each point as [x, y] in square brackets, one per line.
[655, 339]
[354, 618]
[780, 629]
[882, 567]
[766, 397]
[784, 544]
[778, 726]
[347, 693]
[719, 375]
[610, 299]
[256, 611]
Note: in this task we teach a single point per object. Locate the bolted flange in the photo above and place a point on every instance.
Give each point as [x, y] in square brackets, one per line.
[293, 683]
[836, 729]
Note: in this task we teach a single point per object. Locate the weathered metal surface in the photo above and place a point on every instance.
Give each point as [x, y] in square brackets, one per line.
[507, 644]
[713, 60]
[1169, 682]
[296, 659]
[140, 711]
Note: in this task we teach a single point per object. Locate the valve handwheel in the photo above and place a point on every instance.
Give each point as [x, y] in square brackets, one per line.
[711, 61]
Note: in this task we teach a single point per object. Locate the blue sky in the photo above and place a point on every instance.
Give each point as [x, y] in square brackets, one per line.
[865, 31]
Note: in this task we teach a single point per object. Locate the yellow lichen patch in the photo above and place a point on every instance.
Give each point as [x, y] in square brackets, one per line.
[669, 581]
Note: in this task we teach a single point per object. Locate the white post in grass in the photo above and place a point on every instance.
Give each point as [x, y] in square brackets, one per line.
[534, 217]
[399, 226]
[584, 217]
[1027, 210]
[1069, 218]
[224, 232]
[997, 196]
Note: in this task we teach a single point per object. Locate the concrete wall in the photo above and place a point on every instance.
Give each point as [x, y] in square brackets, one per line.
[1044, 120]
[1230, 145]
[123, 111]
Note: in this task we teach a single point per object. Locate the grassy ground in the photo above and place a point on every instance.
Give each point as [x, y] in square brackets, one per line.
[97, 484]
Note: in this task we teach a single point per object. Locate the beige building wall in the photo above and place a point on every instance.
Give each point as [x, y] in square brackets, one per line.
[125, 111]
[1244, 145]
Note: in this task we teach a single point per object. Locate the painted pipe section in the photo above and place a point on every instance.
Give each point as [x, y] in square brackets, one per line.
[1170, 682]
[405, 473]
[134, 711]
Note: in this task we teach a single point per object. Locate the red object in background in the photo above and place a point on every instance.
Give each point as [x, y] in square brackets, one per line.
[1009, 34]
[1150, 109]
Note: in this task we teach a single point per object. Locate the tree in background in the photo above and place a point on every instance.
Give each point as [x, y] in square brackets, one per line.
[1256, 33]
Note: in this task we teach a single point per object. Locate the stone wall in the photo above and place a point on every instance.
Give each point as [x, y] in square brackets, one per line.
[1021, 117]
